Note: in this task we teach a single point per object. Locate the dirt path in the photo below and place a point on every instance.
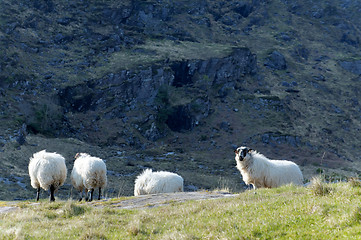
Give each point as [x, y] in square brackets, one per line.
[148, 201]
[155, 200]
[7, 209]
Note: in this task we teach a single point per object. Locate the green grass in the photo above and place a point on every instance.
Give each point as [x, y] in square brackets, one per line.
[156, 50]
[288, 212]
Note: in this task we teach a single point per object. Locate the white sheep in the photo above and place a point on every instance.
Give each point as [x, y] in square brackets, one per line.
[88, 173]
[262, 172]
[47, 170]
[150, 182]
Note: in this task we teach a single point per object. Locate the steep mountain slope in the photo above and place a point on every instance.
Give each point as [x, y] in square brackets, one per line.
[178, 85]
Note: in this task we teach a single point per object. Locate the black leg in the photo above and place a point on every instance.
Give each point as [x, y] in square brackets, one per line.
[91, 194]
[100, 193]
[52, 190]
[86, 195]
[81, 195]
[38, 194]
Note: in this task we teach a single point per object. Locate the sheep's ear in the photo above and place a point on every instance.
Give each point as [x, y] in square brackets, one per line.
[250, 150]
[236, 151]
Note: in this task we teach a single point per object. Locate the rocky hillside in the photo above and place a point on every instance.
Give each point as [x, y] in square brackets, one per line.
[177, 85]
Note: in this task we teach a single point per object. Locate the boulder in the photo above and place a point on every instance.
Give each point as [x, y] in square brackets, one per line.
[352, 66]
[276, 61]
[153, 133]
[216, 71]
[243, 8]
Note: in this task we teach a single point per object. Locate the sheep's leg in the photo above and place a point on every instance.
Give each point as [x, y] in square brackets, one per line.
[86, 195]
[52, 190]
[100, 193]
[91, 194]
[81, 195]
[38, 194]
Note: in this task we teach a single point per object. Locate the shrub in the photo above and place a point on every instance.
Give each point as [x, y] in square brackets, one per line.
[319, 187]
[163, 104]
[354, 182]
[71, 209]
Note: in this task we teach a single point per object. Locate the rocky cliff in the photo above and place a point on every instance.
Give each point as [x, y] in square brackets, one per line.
[178, 85]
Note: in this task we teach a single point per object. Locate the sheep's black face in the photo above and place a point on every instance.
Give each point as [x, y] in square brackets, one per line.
[241, 152]
[76, 156]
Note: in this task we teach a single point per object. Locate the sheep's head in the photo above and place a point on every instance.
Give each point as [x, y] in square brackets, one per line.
[241, 153]
[80, 155]
[77, 156]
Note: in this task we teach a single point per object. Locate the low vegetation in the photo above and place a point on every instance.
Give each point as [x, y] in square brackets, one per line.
[319, 188]
[288, 212]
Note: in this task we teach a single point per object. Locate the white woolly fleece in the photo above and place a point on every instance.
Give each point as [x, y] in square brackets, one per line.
[89, 173]
[157, 182]
[47, 169]
[258, 170]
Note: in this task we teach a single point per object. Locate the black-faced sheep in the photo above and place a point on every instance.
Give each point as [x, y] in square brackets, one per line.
[150, 182]
[47, 170]
[88, 173]
[262, 172]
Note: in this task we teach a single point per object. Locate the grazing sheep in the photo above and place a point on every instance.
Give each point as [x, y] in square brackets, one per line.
[259, 171]
[88, 173]
[157, 182]
[47, 170]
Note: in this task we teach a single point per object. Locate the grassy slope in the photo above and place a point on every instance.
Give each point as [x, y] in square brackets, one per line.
[284, 213]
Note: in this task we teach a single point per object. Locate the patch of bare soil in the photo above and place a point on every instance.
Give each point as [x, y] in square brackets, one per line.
[7, 209]
[155, 200]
